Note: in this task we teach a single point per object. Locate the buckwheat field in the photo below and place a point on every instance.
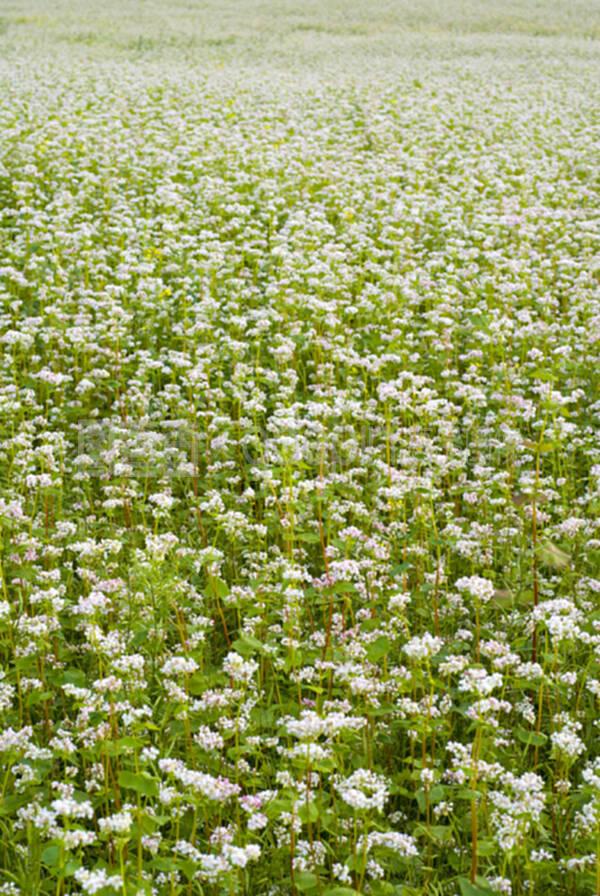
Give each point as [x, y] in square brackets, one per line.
[299, 455]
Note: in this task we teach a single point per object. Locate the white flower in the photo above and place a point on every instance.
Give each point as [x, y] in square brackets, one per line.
[70, 808]
[257, 821]
[478, 681]
[216, 789]
[425, 646]
[94, 881]
[238, 668]
[239, 857]
[179, 665]
[516, 808]
[402, 844]
[363, 790]
[567, 742]
[119, 823]
[476, 587]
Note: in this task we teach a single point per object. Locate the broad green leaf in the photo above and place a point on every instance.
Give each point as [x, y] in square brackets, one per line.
[469, 889]
[344, 588]
[308, 537]
[51, 856]
[441, 832]
[220, 587]
[531, 737]
[75, 677]
[308, 812]
[340, 891]
[141, 783]
[437, 794]
[164, 864]
[378, 649]
[247, 645]
[306, 881]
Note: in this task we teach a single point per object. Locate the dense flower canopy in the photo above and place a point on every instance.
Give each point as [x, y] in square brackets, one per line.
[299, 457]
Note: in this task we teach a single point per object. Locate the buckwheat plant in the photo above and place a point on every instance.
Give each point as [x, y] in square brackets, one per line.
[299, 456]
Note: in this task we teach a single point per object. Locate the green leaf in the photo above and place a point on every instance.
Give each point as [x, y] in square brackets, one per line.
[197, 684]
[340, 891]
[469, 889]
[71, 867]
[357, 864]
[274, 808]
[36, 697]
[308, 812]
[164, 864]
[189, 867]
[141, 783]
[75, 677]
[441, 832]
[11, 802]
[220, 587]
[378, 649]
[123, 745]
[306, 881]
[437, 794]
[385, 888]
[308, 537]
[51, 856]
[531, 737]
[246, 645]
[344, 588]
